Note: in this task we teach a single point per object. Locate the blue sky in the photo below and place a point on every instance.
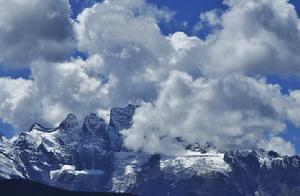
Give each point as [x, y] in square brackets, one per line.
[186, 17]
[186, 12]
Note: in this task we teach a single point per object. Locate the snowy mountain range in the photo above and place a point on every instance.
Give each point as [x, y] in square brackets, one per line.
[91, 157]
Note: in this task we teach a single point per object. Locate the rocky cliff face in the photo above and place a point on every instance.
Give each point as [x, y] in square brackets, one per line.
[91, 157]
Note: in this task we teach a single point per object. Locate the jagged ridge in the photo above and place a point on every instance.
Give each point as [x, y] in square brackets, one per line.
[91, 157]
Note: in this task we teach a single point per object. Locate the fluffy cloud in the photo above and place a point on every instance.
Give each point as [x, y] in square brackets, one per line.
[256, 37]
[122, 59]
[13, 91]
[191, 89]
[127, 36]
[119, 28]
[35, 29]
[279, 145]
[231, 112]
[56, 90]
[210, 20]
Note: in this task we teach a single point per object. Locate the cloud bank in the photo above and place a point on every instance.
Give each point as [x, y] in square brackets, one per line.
[232, 112]
[198, 90]
[32, 30]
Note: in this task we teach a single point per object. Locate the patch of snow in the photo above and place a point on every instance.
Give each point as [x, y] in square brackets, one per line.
[267, 161]
[70, 169]
[8, 168]
[186, 166]
[36, 168]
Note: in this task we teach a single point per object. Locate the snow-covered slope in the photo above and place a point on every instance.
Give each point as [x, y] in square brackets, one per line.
[91, 157]
[9, 164]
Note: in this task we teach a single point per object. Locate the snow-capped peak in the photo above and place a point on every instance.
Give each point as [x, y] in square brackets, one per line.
[93, 121]
[70, 122]
[203, 148]
[37, 127]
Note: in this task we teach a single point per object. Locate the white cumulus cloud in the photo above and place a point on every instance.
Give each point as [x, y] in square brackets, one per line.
[31, 30]
[232, 112]
[191, 89]
[256, 37]
[278, 145]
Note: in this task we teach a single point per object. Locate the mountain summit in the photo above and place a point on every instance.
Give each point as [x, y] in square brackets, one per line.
[92, 157]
